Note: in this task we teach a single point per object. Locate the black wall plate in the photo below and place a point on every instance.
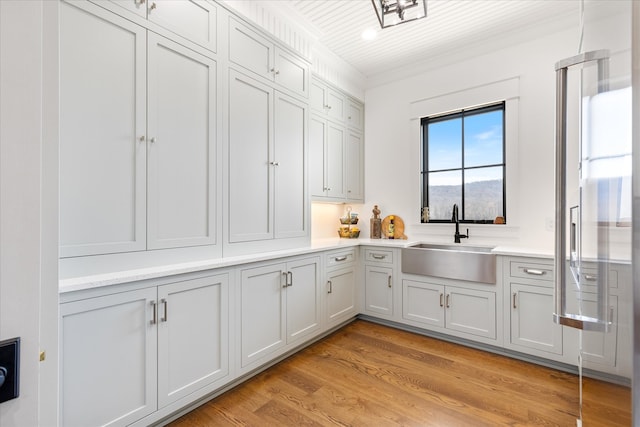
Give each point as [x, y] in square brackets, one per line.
[10, 360]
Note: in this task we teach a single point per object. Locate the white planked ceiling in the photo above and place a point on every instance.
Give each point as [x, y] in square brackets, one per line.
[452, 29]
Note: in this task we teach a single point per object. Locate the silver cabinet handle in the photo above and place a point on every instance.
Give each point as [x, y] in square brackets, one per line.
[590, 277]
[327, 106]
[289, 278]
[340, 258]
[141, 139]
[515, 294]
[534, 272]
[139, 2]
[561, 315]
[448, 296]
[274, 163]
[286, 283]
[153, 6]
[376, 256]
[441, 300]
[274, 71]
[152, 140]
[164, 306]
[154, 309]
[389, 281]
[330, 286]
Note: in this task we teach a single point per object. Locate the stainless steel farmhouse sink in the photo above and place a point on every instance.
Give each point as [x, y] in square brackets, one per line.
[462, 262]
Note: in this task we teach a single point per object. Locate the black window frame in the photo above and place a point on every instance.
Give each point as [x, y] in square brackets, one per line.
[424, 173]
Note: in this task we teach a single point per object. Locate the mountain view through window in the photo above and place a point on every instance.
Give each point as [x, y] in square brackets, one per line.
[464, 163]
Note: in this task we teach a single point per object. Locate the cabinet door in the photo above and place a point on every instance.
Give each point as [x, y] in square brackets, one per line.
[289, 159]
[336, 105]
[532, 324]
[250, 50]
[354, 166]
[423, 302]
[193, 338]
[378, 290]
[250, 190]
[182, 130]
[335, 161]
[262, 312]
[108, 348]
[341, 296]
[471, 311]
[303, 298]
[195, 20]
[598, 347]
[291, 72]
[317, 156]
[355, 115]
[102, 129]
[317, 97]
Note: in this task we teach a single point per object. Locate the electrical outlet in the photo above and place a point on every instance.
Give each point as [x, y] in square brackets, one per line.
[10, 361]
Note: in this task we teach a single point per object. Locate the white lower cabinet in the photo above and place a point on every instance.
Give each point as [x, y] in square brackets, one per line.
[193, 337]
[460, 311]
[378, 290]
[279, 305]
[128, 354]
[532, 324]
[379, 282]
[340, 287]
[529, 308]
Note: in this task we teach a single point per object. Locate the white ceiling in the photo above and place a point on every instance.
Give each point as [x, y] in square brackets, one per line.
[452, 30]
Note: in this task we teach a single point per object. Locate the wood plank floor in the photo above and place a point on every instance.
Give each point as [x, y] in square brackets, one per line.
[371, 375]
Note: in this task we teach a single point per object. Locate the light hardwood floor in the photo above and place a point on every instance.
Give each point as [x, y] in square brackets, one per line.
[371, 375]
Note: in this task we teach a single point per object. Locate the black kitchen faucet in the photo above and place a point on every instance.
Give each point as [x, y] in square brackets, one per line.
[454, 218]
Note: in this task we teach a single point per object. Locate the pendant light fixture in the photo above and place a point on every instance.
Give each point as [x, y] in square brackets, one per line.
[394, 12]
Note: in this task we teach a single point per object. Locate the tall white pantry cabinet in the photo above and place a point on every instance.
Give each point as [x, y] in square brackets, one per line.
[138, 137]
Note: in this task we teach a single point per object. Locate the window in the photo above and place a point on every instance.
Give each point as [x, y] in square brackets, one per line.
[463, 163]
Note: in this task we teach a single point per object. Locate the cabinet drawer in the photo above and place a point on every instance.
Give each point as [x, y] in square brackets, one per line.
[590, 278]
[340, 258]
[526, 270]
[378, 256]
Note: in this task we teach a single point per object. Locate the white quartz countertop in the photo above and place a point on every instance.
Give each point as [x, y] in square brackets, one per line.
[320, 245]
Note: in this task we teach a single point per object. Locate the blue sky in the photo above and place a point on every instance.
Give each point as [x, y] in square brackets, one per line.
[483, 145]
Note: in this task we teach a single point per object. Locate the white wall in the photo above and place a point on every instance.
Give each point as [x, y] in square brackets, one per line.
[392, 148]
[28, 216]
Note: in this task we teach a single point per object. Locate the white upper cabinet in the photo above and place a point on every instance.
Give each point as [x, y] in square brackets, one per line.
[327, 101]
[138, 138]
[102, 133]
[354, 153]
[336, 141]
[355, 115]
[317, 154]
[250, 181]
[182, 126]
[260, 55]
[290, 156]
[267, 177]
[193, 20]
